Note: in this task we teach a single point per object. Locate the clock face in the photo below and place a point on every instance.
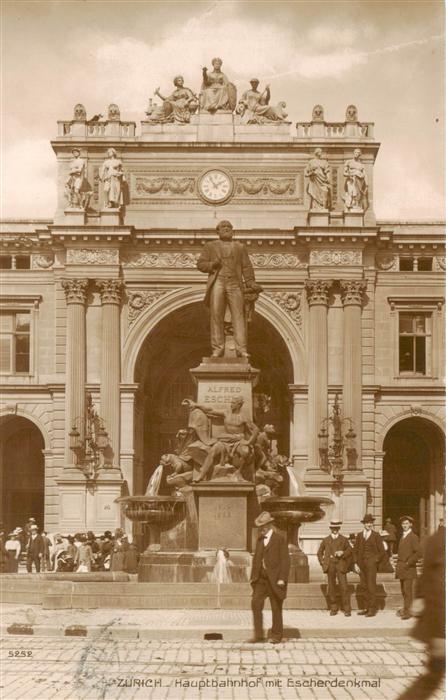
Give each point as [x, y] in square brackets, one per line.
[215, 186]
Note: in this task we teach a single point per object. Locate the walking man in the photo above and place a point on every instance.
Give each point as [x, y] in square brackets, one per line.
[229, 269]
[406, 570]
[269, 576]
[35, 550]
[335, 557]
[368, 552]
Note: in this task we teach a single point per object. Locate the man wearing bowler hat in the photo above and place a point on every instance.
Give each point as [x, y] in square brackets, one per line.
[406, 568]
[269, 576]
[335, 556]
[368, 552]
[34, 549]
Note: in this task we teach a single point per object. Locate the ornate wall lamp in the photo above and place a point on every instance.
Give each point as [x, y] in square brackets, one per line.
[89, 441]
[342, 442]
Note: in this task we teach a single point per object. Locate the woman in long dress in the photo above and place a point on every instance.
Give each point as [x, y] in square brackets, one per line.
[13, 549]
[111, 175]
[178, 106]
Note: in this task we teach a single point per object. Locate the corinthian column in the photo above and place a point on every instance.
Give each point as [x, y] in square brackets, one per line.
[352, 295]
[76, 295]
[111, 291]
[317, 294]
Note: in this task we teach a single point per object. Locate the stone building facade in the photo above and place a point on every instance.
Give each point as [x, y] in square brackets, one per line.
[102, 316]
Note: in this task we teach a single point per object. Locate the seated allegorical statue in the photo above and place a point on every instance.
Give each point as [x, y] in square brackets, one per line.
[254, 107]
[232, 453]
[217, 93]
[177, 107]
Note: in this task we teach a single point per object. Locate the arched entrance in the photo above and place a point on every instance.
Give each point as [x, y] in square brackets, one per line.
[413, 473]
[178, 343]
[22, 469]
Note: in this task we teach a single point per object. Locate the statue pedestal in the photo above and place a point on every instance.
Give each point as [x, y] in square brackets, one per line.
[222, 379]
[75, 217]
[318, 217]
[226, 511]
[354, 218]
[214, 127]
[110, 217]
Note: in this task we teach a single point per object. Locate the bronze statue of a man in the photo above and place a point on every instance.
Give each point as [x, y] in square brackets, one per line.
[229, 272]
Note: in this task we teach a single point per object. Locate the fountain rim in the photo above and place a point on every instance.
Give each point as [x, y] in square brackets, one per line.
[148, 499]
[299, 500]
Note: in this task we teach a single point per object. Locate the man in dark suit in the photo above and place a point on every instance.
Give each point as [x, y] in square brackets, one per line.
[409, 552]
[269, 576]
[35, 550]
[335, 556]
[229, 268]
[368, 552]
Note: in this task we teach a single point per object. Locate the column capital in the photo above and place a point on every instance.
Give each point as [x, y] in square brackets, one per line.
[110, 291]
[318, 291]
[352, 292]
[75, 291]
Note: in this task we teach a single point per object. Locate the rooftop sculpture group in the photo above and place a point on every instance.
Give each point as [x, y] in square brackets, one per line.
[217, 94]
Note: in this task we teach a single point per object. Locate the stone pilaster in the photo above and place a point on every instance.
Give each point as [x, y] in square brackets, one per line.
[111, 292]
[317, 294]
[76, 295]
[352, 295]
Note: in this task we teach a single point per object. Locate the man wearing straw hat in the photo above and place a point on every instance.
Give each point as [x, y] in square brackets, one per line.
[368, 552]
[269, 576]
[335, 557]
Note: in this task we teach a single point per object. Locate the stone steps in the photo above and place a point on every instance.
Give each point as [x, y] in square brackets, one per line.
[62, 594]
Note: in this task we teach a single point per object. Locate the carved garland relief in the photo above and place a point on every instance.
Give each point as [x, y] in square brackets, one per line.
[160, 186]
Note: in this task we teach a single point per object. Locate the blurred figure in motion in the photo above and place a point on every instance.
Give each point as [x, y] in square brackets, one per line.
[429, 607]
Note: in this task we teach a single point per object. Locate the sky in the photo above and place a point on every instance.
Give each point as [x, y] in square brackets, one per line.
[385, 57]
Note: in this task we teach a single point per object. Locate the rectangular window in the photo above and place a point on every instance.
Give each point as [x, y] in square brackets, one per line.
[406, 264]
[425, 264]
[14, 342]
[415, 343]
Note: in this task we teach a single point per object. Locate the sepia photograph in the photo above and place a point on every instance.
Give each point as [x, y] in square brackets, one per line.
[222, 356]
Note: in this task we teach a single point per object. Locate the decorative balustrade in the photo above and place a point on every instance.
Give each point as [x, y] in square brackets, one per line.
[333, 130]
[95, 130]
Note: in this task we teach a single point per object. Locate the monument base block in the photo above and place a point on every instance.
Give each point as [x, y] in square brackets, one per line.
[75, 217]
[110, 217]
[354, 218]
[318, 217]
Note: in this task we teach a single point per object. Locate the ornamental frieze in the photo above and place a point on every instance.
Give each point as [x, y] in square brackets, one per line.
[266, 186]
[163, 186]
[180, 260]
[42, 262]
[286, 186]
[290, 302]
[189, 260]
[277, 260]
[88, 256]
[441, 261]
[335, 257]
[142, 299]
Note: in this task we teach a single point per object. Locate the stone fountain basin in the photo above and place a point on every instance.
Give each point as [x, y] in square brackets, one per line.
[164, 511]
[296, 509]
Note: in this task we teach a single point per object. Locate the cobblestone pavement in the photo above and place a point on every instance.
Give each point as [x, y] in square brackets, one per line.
[325, 668]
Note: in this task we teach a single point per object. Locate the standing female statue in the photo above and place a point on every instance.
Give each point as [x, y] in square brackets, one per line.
[111, 175]
[217, 93]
